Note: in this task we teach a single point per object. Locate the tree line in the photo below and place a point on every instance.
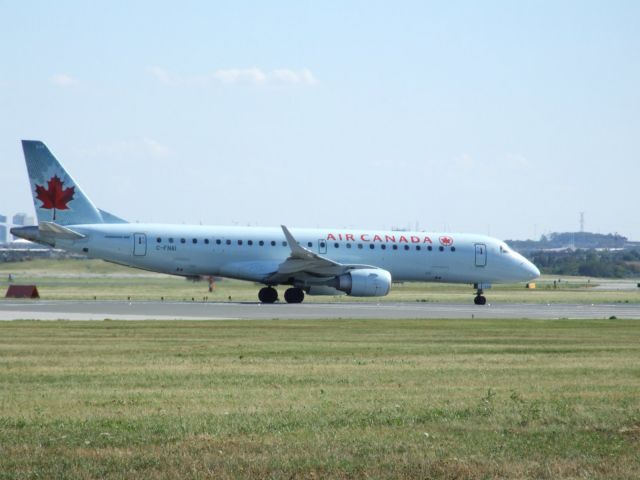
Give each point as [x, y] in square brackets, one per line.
[591, 263]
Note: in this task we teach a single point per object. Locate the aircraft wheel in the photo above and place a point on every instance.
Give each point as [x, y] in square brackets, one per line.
[268, 295]
[294, 295]
[480, 300]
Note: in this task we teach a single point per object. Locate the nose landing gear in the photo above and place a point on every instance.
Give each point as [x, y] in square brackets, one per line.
[480, 299]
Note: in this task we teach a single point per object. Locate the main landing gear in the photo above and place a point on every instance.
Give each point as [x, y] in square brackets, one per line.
[294, 295]
[268, 295]
[291, 295]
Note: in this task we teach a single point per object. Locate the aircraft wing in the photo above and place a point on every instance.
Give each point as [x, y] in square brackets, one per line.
[303, 264]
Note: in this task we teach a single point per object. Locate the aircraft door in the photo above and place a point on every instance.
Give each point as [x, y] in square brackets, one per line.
[139, 244]
[322, 246]
[481, 255]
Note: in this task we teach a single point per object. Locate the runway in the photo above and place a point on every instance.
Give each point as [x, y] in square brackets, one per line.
[118, 310]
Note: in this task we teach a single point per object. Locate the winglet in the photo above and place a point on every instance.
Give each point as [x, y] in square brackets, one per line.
[297, 251]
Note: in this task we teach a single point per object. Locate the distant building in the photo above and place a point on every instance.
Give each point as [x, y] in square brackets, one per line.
[22, 219]
[3, 229]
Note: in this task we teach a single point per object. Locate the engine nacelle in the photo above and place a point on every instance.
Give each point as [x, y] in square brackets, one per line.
[367, 282]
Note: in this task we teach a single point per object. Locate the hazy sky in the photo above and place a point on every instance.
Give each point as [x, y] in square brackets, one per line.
[501, 117]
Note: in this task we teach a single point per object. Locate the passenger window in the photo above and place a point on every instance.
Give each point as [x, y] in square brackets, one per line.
[309, 244]
[171, 240]
[406, 247]
[239, 242]
[195, 240]
[273, 243]
[441, 248]
[336, 245]
[395, 247]
[348, 245]
[159, 240]
[453, 249]
[228, 242]
[250, 242]
[218, 241]
[182, 240]
[383, 246]
[429, 248]
[322, 244]
[359, 245]
[372, 246]
[261, 243]
[418, 247]
[284, 244]
[206, 241]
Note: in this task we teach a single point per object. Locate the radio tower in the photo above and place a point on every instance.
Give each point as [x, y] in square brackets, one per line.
[581, 222]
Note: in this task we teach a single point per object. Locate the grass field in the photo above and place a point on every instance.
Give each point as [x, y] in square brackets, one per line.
[89, 279]
[320, 399]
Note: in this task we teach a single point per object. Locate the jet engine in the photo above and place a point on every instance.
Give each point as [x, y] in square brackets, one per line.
[366, 282]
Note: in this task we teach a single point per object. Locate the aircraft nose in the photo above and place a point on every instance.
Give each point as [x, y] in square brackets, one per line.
[531, 271]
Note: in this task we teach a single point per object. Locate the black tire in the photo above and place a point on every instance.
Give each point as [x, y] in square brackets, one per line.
[294, 295]
[268, 295]
[480, 300]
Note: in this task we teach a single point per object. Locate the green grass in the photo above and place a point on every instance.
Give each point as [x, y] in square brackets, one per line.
[66, 267]
[89, 279]
[320, 399]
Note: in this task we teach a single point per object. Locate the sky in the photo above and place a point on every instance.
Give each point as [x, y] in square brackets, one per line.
[499, 117]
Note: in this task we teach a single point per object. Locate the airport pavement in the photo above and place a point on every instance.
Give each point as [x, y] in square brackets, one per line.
[118, 310]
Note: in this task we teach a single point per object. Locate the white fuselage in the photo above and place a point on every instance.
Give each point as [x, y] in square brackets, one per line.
[254, 253]
[360, 263]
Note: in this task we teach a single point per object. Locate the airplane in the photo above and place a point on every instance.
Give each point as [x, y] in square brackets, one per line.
[320, 261]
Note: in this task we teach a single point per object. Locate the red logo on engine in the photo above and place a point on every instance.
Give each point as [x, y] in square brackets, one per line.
[446, 241]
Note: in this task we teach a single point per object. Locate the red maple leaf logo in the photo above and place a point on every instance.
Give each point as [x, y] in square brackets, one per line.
[446, 241]
[55, 196]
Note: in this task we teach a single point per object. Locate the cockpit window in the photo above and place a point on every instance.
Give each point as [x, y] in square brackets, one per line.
[504, 249]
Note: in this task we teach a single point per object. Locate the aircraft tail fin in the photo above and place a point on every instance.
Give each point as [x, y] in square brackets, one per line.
[56, 195]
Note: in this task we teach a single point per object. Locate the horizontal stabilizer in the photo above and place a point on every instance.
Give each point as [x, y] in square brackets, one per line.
[50, 229]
